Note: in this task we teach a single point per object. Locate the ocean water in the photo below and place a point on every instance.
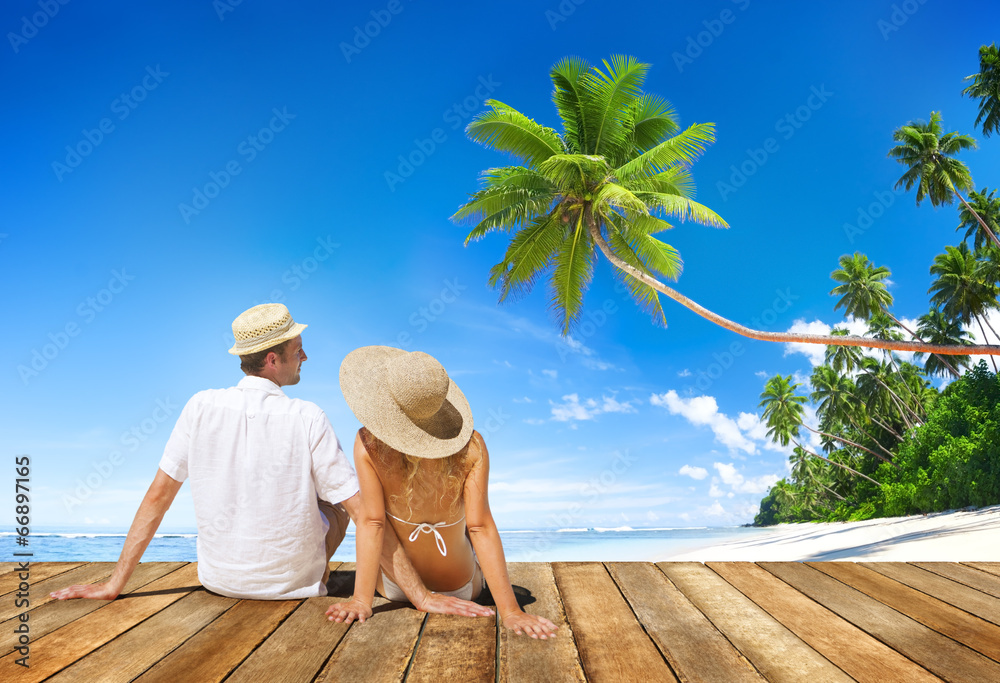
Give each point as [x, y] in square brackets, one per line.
[622, 544]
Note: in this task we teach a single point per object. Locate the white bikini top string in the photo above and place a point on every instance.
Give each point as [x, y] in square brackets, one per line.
[425, 528]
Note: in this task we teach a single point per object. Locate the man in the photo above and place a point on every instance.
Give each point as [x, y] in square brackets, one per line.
[271, 486]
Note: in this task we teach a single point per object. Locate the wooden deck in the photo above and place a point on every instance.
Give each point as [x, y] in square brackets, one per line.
[727, 622]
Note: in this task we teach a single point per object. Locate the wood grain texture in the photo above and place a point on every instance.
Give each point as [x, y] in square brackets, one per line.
[529, 659]
[297, 650]
[938, 654]
[37, 572]
[216, 650]
[978, 634]
[57, 613]
[84, 635]
[778, 654]
[988, 567]
[613, 645]
[851, 649]
[454, 648]
[138, 649]
[695, 649]
[379, 649]
[952, 592]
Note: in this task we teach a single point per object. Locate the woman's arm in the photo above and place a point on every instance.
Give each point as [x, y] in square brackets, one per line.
[486, 541]
[369, 517]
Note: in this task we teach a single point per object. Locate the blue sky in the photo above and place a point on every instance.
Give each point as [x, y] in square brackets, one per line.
[172, 164]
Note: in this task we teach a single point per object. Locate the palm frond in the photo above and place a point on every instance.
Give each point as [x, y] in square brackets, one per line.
[505, 129]
[608, 95]
[574, 267]
[682, 149]
[567, 76]
[528, 256]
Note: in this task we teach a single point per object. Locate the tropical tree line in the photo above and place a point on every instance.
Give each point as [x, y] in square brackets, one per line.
[891, 444]
[620, 170]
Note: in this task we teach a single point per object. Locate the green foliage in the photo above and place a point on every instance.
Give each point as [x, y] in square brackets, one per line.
[950, 461]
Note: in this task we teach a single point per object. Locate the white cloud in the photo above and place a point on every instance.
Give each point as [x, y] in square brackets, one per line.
[551, 373]
[715, 492]
[684, 373]
[855, 327]
[739, 484]
[534, 421]
[694, 472]
[762, 374]
[573, 409]
[523, 400]
[704, 411]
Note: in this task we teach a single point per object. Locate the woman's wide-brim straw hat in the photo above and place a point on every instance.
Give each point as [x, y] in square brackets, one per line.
[262, 327]
[407, 400]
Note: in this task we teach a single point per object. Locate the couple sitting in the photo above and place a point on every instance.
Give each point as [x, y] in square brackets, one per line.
[272, 488]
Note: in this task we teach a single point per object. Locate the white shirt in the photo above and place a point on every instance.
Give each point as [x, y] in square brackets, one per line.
[257, 461]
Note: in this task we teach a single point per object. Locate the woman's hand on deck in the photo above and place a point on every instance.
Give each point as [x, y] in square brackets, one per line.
[446, 604]
[94, 591]
[347, 612]
[536, 627]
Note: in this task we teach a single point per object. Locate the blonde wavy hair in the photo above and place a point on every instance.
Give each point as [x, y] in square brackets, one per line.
[449, 485]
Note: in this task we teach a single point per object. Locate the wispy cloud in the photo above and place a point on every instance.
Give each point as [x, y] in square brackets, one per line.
[694, 472]
[572, 408]
[704, 411]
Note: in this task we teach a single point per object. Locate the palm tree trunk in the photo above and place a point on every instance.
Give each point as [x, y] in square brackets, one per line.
[980, 321]
[839, 497]
[848, 441]
[863, 476]
[874, 440]
[978, 218]
[916, 336]
[888, 429]
[826, 340]
[898, 402]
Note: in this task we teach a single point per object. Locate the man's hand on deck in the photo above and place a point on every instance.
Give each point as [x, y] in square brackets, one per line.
[94, 591]
[446, 604]
[347, 612]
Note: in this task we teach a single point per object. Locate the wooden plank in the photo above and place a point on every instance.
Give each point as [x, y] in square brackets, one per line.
[775, 651]
[8, 566]
[967, 575]
[212, 653]
[612, 643]
[944, 589]
[530, 659]
[858, 654]
[379, 649]
[86, 634]
[978, 634]
[37, 572]
[136, 650]
[56, 614]
[89, 573]
[454, 648]
[988, 567]
[298, 649]
[938, 654]
[695, 649]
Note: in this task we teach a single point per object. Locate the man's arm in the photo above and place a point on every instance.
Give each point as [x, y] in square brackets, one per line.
[147, 520]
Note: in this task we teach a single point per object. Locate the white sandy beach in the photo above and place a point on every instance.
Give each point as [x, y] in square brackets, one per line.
[959, 536]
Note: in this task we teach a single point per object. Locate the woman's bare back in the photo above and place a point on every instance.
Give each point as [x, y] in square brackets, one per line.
[431, 502]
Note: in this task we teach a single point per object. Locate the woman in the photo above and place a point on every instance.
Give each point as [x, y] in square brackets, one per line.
[423, 470]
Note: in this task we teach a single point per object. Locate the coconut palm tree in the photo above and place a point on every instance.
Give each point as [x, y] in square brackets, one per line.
[863, 294]
[961, 290]
[834, 395]
[986, 207]
[783, 415]
[938, 328]
[929, 154]
[986, 86]
[875, 388]
[614, 175]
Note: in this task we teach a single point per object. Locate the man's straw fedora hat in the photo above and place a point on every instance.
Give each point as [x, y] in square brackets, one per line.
[406, 400]
[262, 327]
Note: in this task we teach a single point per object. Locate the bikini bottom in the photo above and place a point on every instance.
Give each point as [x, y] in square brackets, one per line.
[393, 592]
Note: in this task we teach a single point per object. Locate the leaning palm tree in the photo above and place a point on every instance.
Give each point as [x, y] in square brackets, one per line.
[611, 179]
[984, 206]
[961, 289]
[929, 154]
[986, 86]
[834, 397]
[938, 328]
[783, 416]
